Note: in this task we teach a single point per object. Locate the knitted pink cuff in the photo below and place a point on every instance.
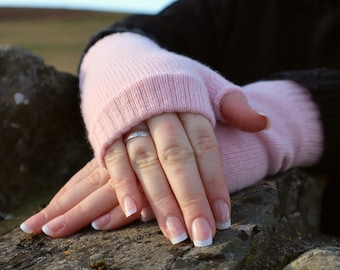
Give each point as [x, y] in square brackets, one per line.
[126, 78]
[295, 138]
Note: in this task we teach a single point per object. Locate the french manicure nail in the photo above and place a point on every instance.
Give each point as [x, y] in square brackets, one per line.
[54, 226]
[201, 232]
[222, 215]
[146, 214]
[129, 206]
[34, 223]
[101, 222]
[25, 228]
[175, 230]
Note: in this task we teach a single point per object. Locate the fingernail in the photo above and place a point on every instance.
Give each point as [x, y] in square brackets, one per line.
[222, 215]
[129, 206]
[101, 222]
[34, 223]
[269, 123]
[25, 228]
[146, 214]
[175, 230]
[54, 226]
[201, 233]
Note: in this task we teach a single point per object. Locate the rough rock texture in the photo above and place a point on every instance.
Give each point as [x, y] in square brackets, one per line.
[272, 226]
[275, 223]
[42, 140]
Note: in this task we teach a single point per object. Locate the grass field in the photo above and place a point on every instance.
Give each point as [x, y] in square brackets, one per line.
[59, 36]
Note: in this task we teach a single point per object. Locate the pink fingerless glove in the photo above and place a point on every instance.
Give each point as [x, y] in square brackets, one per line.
[294, 139]
[126, 78]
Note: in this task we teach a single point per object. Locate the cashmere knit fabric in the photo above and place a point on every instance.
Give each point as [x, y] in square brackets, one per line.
[294, 139]
[247, 41]
[126, 79]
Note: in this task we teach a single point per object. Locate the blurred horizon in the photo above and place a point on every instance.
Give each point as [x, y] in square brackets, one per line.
[126, 6]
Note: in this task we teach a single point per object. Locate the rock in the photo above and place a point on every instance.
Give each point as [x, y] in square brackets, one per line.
[42, 137]
[322, 258]
[275, 222]
[271, 228]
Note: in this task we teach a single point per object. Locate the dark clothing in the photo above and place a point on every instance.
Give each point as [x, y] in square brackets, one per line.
[247, 41]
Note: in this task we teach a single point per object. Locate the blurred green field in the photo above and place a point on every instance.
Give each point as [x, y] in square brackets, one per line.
[58, 36]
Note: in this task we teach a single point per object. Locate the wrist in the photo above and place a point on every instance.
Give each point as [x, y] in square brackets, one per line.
[127, 78]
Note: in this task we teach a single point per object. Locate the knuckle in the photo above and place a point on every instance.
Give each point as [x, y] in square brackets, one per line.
[142, 157]
[97, 178]
[114, 157]
[90, 166]
[192, 201]
[205, 144]
[161, 200]
[177, 154]
[54, 208]
[80, 210]
[119, 183]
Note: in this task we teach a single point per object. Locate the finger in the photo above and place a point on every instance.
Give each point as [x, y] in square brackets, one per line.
[70, 196]
[208, 158]
[144, 160]
[123, 179]
[116, 218]
[88, 170]
[179, 164]
[113, 219]
[96, 204]
[147, 214]
[238, 113]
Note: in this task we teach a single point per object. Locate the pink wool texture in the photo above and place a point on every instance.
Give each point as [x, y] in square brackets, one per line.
[294, 139]
[126, 78]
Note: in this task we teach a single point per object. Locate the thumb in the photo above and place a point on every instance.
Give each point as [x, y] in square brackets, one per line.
[237, 112]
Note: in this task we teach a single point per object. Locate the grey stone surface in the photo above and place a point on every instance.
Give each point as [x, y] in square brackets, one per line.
[270, 231]
[42, 140]
[275, 222]
[321, 258]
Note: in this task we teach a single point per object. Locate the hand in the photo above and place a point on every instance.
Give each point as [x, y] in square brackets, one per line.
[186, 192]
[90, 194]
[78, 202]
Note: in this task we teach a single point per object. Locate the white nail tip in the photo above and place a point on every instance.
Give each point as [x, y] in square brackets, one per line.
[25, 228]
[223, 226]
[203, 243]
[46, 230]
[179, 238]
[131, 212]
[130, 207]
[95, 226]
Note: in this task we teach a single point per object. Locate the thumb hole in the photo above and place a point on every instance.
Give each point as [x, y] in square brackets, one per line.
[238, 113]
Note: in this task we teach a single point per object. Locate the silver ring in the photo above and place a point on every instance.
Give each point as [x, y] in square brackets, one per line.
[135, 134]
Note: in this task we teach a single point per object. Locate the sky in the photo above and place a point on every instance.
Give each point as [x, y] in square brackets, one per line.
[136, 6]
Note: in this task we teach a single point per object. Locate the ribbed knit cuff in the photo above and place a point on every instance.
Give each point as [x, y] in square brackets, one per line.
[324, 86]
[126, 79]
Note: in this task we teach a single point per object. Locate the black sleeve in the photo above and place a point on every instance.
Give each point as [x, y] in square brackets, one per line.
[189, 27]
[248, 41]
